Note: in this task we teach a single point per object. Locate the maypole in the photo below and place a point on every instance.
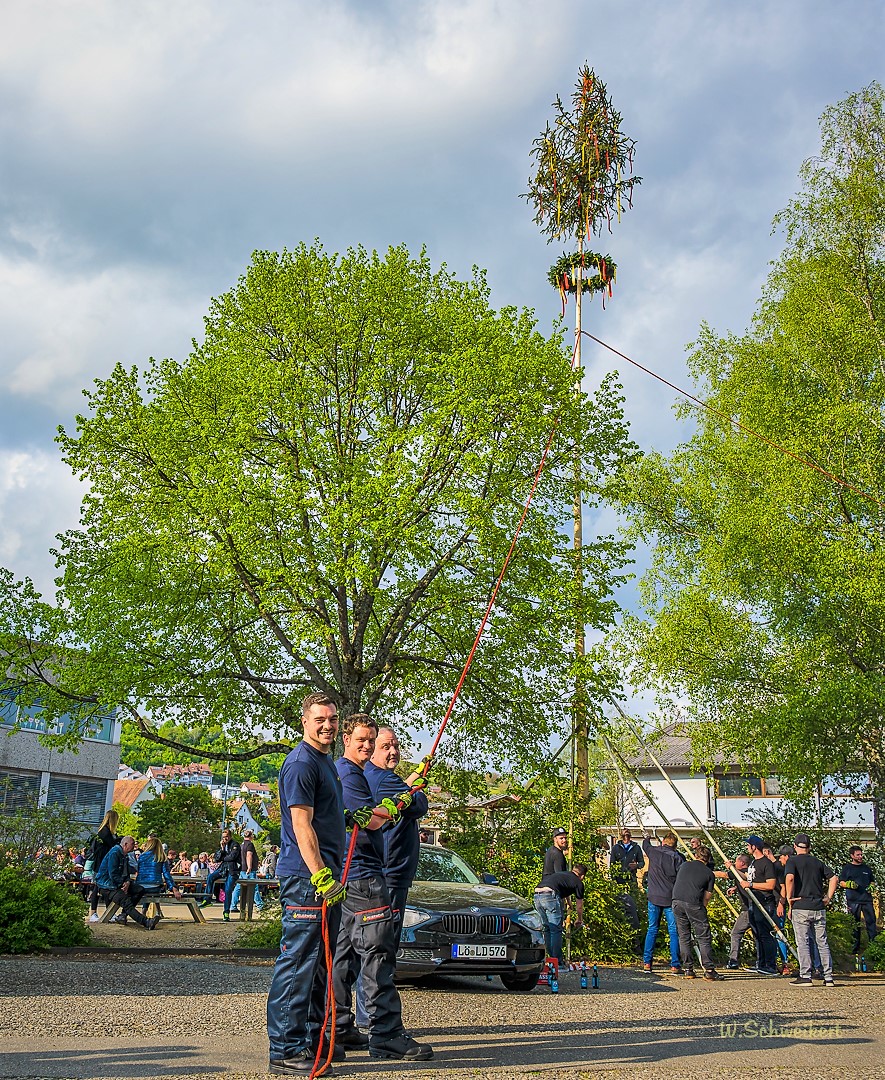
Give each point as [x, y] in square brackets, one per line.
[583, 179]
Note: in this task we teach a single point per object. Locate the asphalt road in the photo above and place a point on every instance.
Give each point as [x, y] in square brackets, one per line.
[140, 1017]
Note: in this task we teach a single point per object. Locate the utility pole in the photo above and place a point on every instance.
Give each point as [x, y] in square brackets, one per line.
[583, 179]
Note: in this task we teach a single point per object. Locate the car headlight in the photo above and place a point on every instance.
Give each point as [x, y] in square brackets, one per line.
[531, 920]
[413, 916]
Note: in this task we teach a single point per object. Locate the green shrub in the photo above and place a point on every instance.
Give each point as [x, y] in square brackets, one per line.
[874, 954]
[37, 913]
[264, 933]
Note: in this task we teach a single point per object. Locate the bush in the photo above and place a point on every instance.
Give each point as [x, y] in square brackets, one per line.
[29, 829]
[264, 933]
[875, 954]
[37, 913]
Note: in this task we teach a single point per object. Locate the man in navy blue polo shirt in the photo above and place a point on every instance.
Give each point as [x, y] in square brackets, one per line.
[368, 937]
[401, 843]
[309, 866]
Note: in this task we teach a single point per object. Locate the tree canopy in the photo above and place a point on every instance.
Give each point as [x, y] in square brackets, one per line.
[320, 497]
[767, 590]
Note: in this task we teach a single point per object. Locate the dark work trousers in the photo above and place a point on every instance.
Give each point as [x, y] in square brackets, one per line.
[367, 947]
[741, 926]
[398, 894]
[863, 912]
[297, 999]
[127, 900]
[693, 917]
[766, 949]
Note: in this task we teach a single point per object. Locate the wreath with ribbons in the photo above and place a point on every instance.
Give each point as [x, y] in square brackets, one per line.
[596, 272]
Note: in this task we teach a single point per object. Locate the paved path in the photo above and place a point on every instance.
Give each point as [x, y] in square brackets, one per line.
[143, 1018]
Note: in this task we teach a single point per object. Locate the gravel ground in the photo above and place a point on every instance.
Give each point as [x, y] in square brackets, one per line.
[135, 1016]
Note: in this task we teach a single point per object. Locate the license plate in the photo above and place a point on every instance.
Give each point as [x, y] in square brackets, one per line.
[479, 952]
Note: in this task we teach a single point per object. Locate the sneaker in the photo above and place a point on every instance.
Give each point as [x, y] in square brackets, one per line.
[121, 919]
[208, 903]
[235, 911]
[829, 982]
[818, 973]
[713, 976]
[732, 965]
[676, 970]
[767, 971]
[401, 1046]
[786, 970]
[226, 916]
[151, 924]
[297, 1065]
[646, 967]
[95, 917]
[352, 1038]
[799, 981]
[689, 974]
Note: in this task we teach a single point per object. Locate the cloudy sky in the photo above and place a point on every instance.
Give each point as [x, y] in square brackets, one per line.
[148, 149]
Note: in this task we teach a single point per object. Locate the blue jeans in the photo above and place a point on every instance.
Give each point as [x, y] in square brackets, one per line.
[229, 881]
[235, 899]
[549, 907]
[297, 997]
[655, 911]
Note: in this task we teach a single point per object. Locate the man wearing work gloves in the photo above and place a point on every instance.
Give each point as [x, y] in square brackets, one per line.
[311, 855]
[368, 936]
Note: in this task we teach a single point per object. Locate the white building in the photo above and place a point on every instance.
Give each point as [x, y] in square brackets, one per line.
[722, 797]
[82, 781]
[194, 774]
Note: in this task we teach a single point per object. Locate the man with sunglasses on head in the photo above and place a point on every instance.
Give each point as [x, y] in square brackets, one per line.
[625, 861]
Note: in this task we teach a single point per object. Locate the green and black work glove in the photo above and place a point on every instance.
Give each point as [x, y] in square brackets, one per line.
[360, 816]
[392, 809]
[328, 888]
[405, 800]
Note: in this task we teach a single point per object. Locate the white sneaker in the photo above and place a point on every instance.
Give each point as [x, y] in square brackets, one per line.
[95, 917]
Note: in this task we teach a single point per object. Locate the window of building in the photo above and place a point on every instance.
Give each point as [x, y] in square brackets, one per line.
[748, 787]
[743, 787]
[18, 790]
[85, 799]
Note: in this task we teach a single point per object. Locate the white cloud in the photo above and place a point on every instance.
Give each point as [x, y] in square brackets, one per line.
[38, 499]
[61, 330]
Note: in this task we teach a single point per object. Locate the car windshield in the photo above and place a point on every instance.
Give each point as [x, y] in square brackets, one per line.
[438, 864]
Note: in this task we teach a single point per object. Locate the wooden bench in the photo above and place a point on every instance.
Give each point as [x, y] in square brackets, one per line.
[190, 902]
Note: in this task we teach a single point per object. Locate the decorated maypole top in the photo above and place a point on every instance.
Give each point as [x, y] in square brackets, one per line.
[584, 178]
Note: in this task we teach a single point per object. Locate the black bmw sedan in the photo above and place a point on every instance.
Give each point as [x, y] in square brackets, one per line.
[456, 924]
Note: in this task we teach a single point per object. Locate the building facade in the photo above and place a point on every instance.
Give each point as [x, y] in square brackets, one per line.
[723, 796]
[82, 781]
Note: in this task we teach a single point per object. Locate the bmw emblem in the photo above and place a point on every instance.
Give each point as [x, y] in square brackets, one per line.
[475, 910]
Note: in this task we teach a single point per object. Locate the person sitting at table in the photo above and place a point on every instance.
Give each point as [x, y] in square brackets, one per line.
[115, 885]
[153, 874]
[182, 865]
[200, 867]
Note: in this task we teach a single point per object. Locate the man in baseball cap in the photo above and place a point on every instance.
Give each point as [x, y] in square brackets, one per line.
[554, 857]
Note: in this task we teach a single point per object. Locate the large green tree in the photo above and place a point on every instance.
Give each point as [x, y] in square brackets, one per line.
[320, 497]
[767, 591]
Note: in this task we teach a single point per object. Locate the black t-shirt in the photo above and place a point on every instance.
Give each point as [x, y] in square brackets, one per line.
[554, 861]
[565, 884]
[862, 876]
[810, 880]
[245, 848]
[780, 875]
[693, 879]
[762, 869]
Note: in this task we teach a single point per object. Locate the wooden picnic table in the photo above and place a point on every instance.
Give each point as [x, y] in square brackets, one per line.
[247, 890]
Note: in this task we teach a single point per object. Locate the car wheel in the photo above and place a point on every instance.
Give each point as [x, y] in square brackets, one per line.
[521, 982]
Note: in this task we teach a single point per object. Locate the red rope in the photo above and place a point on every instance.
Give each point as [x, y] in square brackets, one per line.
[737, 424]
[491, 603]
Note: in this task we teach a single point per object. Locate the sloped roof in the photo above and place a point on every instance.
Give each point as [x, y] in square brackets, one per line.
[671, 746]
[126, 792]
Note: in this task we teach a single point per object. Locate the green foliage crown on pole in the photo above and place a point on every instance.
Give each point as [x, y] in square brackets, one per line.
[583, 177]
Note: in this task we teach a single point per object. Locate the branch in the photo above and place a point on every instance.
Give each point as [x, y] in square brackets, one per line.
[147, 732]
